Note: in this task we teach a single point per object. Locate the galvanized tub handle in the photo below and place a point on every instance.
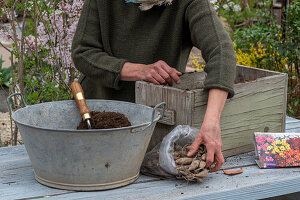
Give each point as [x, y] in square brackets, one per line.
[162, 113]
[163, 104]
[9, 104]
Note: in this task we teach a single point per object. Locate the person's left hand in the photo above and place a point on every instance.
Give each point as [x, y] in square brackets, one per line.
[210, 136]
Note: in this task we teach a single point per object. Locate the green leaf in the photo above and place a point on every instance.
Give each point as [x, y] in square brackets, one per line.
[292, 112]
[296, 102]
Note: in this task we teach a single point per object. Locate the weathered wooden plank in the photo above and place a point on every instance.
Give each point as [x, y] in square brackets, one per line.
[154, 96]
[268, 189]
[246, 90]
[17, 182]
[258, 106]
[252, 184]
[190, 102]
[245, 73]
[242, 160]
[7, 154]
[234, 150]
[17, 177]
[292, 125]
[191, 81]
[296, 130]
[168, 118]
[140, 92]
[283, 123]
[177, 100]
[291, 120]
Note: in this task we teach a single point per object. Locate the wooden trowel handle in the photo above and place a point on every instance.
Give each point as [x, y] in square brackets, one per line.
[79, 97]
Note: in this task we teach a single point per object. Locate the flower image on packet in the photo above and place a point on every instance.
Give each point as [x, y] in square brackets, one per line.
[276, 150]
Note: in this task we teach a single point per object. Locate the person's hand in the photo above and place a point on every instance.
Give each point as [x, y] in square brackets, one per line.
[210, 132]
[210, 136]
[158, 73]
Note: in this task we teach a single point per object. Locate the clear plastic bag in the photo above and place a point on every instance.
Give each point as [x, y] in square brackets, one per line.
[159, 161]
[181, 135]
[150, 165]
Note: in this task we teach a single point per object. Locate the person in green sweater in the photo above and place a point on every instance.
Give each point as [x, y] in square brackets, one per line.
[118, 42]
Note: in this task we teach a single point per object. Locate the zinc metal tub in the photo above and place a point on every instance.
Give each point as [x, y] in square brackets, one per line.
[83, 160]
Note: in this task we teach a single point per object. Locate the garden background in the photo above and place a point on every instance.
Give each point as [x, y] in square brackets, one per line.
[37, 36]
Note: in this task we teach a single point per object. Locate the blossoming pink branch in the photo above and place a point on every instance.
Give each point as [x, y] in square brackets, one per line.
[55, 28]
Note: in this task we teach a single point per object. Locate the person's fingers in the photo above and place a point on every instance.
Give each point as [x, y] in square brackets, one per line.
[219, 161]
[194, 147]
[150, 79]
[160, 70]
[210, 148]
[165, 75]
[175, 77]
[158, 78]
[178, 73]
[171, 71]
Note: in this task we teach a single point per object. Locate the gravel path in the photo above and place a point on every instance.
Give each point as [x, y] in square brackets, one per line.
[5, 132]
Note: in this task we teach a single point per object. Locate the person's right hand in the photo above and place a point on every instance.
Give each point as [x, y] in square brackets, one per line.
[158, 73]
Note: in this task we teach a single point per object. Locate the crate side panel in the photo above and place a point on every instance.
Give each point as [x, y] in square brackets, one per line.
[237, 150]
[245, 73]
[140, 92]
[257, 106]
[285, 102]
[177, 101]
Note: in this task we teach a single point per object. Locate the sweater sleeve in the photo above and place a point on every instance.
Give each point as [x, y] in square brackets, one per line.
[88, 52]
[208, 34]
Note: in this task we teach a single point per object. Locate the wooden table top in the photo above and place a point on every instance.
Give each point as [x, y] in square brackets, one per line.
[17, 181]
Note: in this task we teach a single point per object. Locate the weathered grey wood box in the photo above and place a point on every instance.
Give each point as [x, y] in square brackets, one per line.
[259, 104]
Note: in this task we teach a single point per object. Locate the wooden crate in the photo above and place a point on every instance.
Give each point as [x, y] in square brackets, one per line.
[259, 104]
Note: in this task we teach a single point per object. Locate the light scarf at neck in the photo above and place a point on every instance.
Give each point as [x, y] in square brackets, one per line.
[148, 4]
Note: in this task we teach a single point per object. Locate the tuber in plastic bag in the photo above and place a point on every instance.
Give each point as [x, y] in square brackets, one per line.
[182, 135]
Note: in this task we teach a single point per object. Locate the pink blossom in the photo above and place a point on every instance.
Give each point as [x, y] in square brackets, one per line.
[270, 139]
[265, 146]
[258, 147]
[54, 33]
[259, 139]
[6, 35]
[269, 158]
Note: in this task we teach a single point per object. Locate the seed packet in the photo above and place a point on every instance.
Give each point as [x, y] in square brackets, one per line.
[276, 150]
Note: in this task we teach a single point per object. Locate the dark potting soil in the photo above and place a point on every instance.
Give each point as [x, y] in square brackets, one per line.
[105, 120]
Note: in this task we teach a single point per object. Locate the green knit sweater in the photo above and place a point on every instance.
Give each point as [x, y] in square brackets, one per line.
[112, 32]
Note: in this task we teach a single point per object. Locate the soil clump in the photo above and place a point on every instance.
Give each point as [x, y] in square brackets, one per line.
[105, 120]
